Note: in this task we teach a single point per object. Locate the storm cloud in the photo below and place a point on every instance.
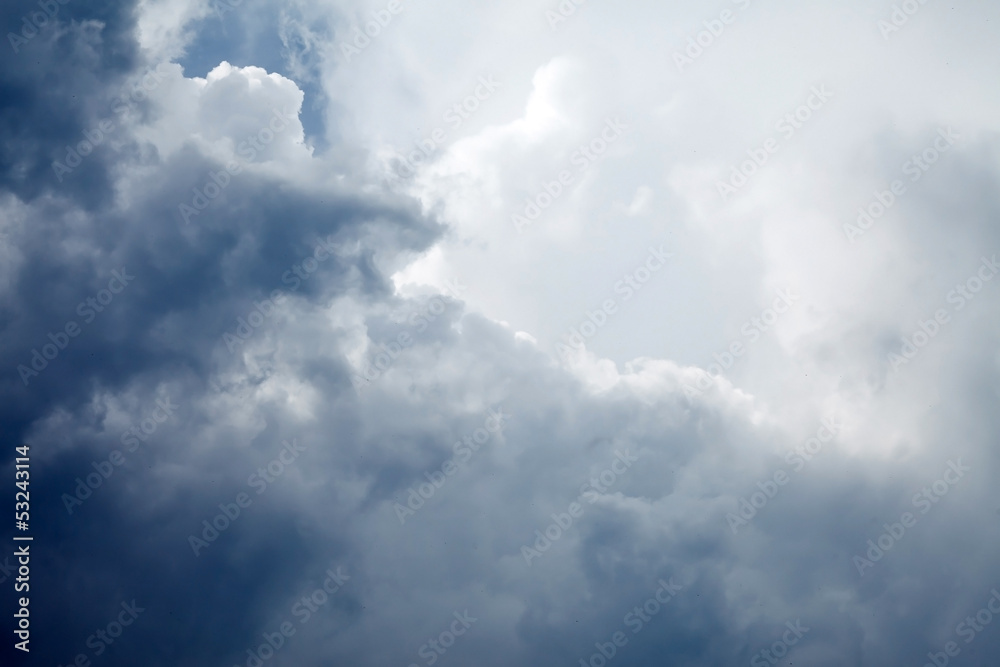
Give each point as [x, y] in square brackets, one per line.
[546, 333]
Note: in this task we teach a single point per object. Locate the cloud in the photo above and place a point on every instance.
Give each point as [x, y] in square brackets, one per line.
[335, 340]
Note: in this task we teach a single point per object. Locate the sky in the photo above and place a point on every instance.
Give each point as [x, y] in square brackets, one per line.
[544, 332]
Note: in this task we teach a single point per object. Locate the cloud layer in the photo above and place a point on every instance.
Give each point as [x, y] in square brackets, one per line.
[450, 348]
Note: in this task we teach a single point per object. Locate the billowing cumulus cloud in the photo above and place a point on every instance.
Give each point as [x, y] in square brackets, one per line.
[388, 334]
